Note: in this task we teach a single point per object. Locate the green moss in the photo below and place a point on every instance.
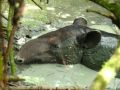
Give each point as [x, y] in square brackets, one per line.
[1, 66]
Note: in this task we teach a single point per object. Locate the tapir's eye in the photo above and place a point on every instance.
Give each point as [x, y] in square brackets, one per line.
[54, 46]
[80, 40]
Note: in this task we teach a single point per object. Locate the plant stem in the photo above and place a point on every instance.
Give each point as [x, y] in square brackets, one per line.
[9, 29]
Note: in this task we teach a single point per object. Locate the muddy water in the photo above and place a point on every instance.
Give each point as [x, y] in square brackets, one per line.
[58, 75]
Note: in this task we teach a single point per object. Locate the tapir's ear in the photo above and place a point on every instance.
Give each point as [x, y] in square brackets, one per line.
[89, 40]
[80, 21]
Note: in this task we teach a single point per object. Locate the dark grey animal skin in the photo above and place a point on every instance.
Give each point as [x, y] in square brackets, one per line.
[94, 58]
[65, 45]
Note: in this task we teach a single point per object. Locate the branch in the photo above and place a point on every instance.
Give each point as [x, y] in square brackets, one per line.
[113, 7]
[15, 79]
[110, 15]
[3, 16]
[17, 14]
[37, 4]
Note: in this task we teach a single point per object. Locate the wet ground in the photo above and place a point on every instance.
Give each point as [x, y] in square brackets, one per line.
[56, 14]
[56, 75]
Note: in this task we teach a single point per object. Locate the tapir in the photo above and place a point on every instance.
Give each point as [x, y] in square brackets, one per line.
[64, 46]
[72, 44]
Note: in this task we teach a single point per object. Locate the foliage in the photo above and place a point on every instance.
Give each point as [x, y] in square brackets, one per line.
[108, 72]
[111, 67]
[114, 7]
[1, 66]
[9, 29]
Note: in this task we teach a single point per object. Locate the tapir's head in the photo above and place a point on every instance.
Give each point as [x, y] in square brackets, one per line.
[35, 51]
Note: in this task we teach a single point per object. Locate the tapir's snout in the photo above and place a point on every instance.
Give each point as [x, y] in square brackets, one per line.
[19, 60]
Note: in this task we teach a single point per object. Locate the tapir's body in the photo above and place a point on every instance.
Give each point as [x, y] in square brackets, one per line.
[68, 45]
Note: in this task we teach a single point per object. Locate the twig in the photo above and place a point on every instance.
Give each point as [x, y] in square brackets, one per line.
[110, 15]
[112, 7]
[10, 41]
[37, 4]
[3, 16]
[15, 79]
[47, 1]
[16, 16]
